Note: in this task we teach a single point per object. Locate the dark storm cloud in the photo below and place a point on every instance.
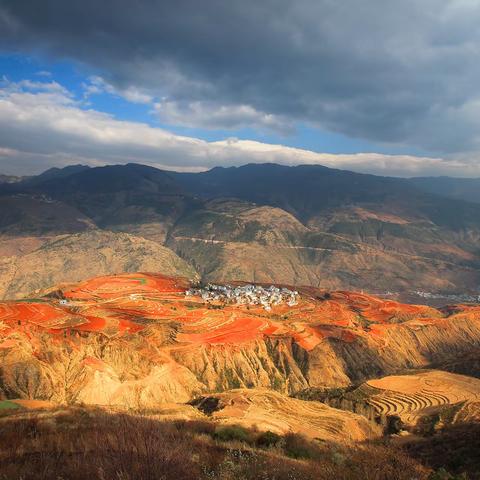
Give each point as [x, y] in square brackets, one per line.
[405, 72]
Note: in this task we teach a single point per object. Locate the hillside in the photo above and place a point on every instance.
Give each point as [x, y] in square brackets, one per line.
[78, 443]
[467, 189]
[419, 401]
[270, 411]
[83, 353]
[307, 190]
[255, 223]
[68, 258]
[136, 340]
[10, 178]
[233, 240]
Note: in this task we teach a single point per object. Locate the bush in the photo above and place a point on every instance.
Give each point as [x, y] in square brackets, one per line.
[268, 439]
[98, 445]
[297, 446]
[393, 425]
[442, 474]
[230, 433]
[196, 427]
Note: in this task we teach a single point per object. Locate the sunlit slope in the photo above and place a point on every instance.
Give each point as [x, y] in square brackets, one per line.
[271, 411]
[137, 340]
[424, 393]
[71, 258]
[306, 225]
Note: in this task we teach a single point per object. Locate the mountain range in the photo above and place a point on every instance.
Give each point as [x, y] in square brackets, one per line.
[303, 225]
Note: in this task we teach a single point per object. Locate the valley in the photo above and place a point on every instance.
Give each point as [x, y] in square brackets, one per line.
[336, 367]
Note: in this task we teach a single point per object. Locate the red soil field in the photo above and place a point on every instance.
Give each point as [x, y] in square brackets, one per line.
[128, 304]
[41, 314]
[127, 284]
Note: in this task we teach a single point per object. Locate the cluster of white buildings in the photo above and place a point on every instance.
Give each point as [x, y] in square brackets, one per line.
[246, 295]
[461, 297]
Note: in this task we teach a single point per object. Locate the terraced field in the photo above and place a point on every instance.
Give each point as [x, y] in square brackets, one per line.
[424, 393]
[139, 339]
[268, 410]
[116, 305]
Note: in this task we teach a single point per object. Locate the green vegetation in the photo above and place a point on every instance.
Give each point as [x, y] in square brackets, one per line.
[268, 439]
[429, 424]
[442, 474]
[277, 383]
[7, 405]
[231, 433]
[326, 394]
[453, 451]
[299, 447]
[232, 379]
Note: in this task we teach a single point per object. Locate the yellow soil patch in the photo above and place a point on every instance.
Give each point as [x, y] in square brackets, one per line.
[33, 404]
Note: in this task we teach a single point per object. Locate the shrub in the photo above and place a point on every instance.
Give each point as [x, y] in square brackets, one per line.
[442, 474]
[101, 446]
[393, 425]
[196, 427]
[268, 439]
[297, 446]
[230, 433]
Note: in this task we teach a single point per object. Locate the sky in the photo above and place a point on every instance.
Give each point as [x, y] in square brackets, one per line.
[377, 86]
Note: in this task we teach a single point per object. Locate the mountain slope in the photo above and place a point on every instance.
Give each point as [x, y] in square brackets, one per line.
[306, 225]
[137, 340]
[306, 190]
[234, 240]
[273, 412]
[467, 189]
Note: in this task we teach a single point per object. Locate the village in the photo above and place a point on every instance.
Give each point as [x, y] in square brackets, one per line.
[246, 295]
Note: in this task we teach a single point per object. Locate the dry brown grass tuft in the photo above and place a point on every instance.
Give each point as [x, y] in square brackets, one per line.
[78, 444]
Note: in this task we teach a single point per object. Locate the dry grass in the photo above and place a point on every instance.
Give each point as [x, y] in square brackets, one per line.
[455, 448]
[76, 444]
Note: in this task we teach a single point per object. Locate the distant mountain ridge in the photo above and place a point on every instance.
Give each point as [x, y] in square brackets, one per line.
[467, 189]
[54, 173]
[307, 225]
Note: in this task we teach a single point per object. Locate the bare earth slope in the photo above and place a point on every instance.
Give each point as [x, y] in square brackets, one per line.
[351, 248]
[423, 393]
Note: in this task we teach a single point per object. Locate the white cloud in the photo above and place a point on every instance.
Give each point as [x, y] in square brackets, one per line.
[400, 73]
[7, 86]
[46, 127]
[52, 87]
[211, 115]
[97, 85]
